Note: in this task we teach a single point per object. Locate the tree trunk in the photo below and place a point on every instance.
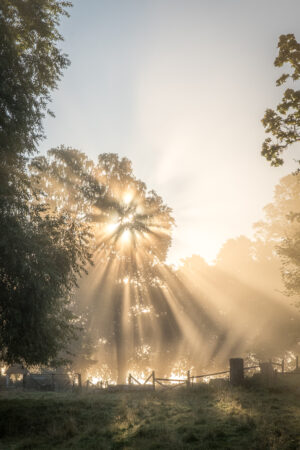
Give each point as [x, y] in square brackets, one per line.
[120, 340]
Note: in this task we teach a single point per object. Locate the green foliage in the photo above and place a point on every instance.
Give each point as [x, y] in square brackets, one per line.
[41, 256]
[284, 122]
[42, 253]
[30, 66]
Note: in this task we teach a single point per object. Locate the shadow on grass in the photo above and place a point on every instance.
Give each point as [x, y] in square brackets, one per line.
[204, 417]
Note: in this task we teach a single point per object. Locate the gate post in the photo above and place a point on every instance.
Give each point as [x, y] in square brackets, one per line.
[188, 381]
[236, 371]
[266, 370]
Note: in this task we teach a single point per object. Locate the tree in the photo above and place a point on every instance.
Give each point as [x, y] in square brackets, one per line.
[131, 230]
[282, 227]
[39, 266]
[41, 254]
[284, 123]
[31, 64]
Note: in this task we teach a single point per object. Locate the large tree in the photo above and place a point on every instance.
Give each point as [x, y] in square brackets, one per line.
[131, 229]
[41, 253]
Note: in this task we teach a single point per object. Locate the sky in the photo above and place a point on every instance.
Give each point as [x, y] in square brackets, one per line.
[179, 88]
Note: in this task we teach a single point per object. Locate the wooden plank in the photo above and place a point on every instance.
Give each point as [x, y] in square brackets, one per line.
[150, 376]
[132, 377]
[251, 367]
[170, 379]
[210, 374]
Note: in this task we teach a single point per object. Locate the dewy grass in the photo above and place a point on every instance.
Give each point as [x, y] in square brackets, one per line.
[204, 417]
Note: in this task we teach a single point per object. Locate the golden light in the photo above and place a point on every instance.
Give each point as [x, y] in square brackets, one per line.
[126, 236]
[127, 197]
[128, 219]
[96, 380]
[111, 227]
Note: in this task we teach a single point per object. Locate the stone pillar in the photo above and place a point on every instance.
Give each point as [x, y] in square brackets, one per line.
[236, 371]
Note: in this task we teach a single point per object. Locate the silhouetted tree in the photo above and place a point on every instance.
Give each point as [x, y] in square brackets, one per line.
[131, 230]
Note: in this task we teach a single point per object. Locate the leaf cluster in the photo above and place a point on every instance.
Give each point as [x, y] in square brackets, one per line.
[284, 122]
[31, 64]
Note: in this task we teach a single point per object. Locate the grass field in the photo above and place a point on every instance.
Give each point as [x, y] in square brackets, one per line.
[204, 417]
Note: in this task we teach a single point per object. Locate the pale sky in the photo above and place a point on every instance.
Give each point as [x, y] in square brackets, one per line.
[179, 87]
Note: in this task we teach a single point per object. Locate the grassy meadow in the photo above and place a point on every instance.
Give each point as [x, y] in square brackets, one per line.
[214, 416]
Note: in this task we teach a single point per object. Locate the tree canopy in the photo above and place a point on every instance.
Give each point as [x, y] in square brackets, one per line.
[131, 230]
[31, 64]
[42, 252]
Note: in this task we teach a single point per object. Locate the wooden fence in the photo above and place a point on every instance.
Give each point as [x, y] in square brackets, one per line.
[236, 374]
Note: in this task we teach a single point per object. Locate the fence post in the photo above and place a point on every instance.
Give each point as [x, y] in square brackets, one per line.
[153, 379]
[282, 366]
[129, 378]
[79, 382]
[188, 381]
[266, 369]
[87, 384]
[297, 363]
[236, 371]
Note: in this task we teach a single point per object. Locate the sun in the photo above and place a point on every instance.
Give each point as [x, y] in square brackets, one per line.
[127, 197]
